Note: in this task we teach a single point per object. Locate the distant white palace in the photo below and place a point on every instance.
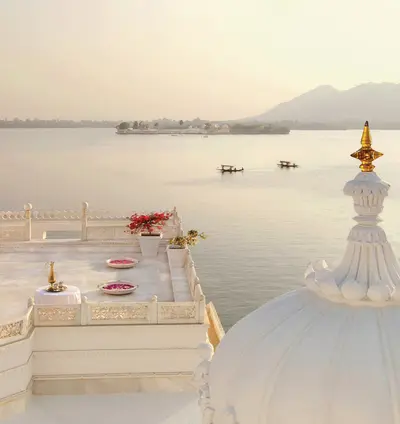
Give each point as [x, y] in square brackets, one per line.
[212, 129]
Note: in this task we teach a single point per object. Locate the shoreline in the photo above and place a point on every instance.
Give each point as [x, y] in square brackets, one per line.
[174, 131]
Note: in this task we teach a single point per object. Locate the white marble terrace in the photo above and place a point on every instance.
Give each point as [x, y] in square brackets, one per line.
[143, 342]
[81, 262]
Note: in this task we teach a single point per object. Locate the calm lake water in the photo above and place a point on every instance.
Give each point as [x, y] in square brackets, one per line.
[264, 225]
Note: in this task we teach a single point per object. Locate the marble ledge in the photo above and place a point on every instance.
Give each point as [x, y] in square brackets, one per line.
[154, 313]
[108, 385]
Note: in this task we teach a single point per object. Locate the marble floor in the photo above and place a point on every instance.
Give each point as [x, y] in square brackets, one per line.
[23, 269]
[143, 408]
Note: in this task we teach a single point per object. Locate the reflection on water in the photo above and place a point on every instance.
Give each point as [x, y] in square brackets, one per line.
[265, 224]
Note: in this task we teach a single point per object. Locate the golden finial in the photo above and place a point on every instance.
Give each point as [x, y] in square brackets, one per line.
[366, 154]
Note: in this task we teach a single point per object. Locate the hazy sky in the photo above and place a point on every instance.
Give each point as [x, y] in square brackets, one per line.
[216, 59]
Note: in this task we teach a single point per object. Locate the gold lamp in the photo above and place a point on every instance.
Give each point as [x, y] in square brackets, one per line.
[53, 285]
[366, 154]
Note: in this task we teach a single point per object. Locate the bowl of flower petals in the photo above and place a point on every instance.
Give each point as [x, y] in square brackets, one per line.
[118, 287]
[122, 263]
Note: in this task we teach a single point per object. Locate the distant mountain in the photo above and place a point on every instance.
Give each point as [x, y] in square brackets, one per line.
[379, 103]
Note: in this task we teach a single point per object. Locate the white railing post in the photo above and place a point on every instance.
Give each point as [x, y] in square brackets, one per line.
[201, 303]
[180, 226]
[177, 222]
[84, 310]
[174, 216]
[153, 311]
[190, 271]
[28, 222]
[84, 219]
[193, 284]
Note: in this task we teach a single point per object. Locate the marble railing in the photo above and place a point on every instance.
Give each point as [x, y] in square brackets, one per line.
[121, 313]
[13, 331]
[105, 313]
[191, 276]
[91, 224]
[12, 215]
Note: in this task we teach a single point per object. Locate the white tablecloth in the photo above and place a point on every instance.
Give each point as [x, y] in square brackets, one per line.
[70, 296]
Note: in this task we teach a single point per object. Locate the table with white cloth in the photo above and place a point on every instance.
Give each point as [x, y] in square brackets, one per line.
[70, 296]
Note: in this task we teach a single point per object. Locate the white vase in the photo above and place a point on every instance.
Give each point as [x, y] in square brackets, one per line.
[149, 244]
[177, 256]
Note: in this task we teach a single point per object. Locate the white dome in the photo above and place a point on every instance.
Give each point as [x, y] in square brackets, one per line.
[302, 359]
[325, 354]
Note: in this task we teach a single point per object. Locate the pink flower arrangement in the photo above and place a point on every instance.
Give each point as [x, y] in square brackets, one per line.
[148, 223]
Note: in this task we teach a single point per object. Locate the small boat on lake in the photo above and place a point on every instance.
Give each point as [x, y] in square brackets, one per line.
[287, 164]
[230, 168]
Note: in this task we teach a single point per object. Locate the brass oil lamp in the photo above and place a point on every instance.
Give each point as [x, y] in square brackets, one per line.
[54, 287]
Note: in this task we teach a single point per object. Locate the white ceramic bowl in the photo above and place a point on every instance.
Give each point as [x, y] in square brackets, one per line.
[124, 289]
[131, 264]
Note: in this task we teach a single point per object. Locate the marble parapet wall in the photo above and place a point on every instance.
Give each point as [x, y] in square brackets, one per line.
[121, 313]
[98, 359]
[104, 313]
[32, 224]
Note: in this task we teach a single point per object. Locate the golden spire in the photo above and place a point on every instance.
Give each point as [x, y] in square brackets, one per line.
[366, 154]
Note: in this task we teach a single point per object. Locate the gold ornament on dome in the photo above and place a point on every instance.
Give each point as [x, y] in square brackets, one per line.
[366, 154]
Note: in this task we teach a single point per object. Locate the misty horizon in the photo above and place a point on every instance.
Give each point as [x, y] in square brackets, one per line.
[101, 60]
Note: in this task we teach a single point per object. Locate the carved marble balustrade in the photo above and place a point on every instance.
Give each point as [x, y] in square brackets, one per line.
[87, 224]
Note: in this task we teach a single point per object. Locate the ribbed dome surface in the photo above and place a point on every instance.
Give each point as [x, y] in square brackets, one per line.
[303, 359]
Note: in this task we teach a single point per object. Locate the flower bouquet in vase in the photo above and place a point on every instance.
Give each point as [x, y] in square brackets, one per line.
[178, 248]
[148, 228]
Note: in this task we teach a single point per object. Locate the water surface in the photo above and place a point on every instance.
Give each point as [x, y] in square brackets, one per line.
[264, 225]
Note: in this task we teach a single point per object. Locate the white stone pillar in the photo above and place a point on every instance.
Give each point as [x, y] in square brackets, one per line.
[28, 222]
[200, 299]
[84, 219]
[153, 310]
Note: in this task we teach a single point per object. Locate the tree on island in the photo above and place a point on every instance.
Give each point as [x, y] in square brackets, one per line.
[135, 125]
[123, 126]
[181, 122]
[156, 125]
[207, 126]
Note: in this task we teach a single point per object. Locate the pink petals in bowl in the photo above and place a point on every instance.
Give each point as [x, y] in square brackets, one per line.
[118, 287]
[121, 263]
